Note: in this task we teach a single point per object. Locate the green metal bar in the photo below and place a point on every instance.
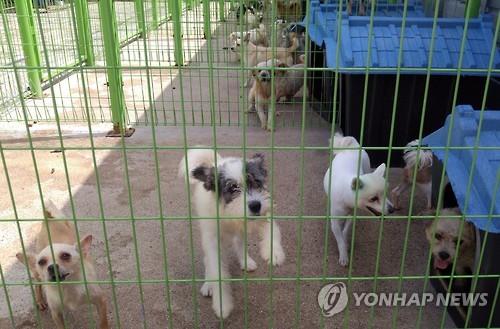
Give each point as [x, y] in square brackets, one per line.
[24, 13]
[176, 17]
[154, 9]
[139, 13]
[84, 33]
[473, 7]
[111, 43]
[221, 11]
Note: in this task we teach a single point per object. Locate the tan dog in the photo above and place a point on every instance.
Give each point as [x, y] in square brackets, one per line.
[259, 95]
[424, 174]
[257, 36]
[257, 54]
[443, 235]
[289, 82]
[65, 268]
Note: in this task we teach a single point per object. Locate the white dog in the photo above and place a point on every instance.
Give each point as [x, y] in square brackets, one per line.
[341, 182]
[237, 186]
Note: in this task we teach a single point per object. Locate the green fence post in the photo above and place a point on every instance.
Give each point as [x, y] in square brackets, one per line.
[473, 7]
[221, 10]
[154, 9]
[111, 45]
[176, 17]
[24, 13]
[84, 33]
[139, 14]
[206, 19]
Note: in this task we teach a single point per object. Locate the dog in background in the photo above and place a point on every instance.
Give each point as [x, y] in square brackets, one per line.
[257, 36]
[254, 55]
[236, 189]
[289, 9]
[443, 237]
[341, 183]
[252, 16]
[289, 82]
[66, 267]
[424, 174]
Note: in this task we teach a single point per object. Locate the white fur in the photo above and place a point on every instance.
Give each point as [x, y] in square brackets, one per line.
[231, 231]
[410, 156]
[338, 182]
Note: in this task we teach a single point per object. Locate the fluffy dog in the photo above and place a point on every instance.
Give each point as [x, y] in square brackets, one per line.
[289, 82]
[254, 55]
[239, 188]
[259, 95]
[66, 267]
[257, 36]
[442, 235]
[424, 174]
[252, 17]
[341, 182]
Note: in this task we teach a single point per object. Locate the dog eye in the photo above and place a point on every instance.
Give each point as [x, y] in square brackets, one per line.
[42, 262]
[438, 236]
[374, 199]
[456, 241]
[65, 256]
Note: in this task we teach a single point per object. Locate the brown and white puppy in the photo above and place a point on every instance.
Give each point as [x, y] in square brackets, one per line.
[289, 82]
[64, 267]
[259, 95]
[443, 237]
[424, 174]
[253, 55]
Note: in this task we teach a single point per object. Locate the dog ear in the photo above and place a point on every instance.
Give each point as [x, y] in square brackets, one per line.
[246, 38]
[255, 166]
[380, 171]
[30, 258]
[206, 175]
[85, 245]
[356, 183]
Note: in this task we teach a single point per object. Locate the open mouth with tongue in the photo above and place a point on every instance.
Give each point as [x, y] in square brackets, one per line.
[441, 264]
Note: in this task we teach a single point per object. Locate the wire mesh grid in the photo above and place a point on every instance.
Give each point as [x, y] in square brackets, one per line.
[127, 194]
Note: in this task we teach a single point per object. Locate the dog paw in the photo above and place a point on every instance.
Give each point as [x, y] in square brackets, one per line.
[206, 289]
[222, 311]
[343, 260]
[251, 265]
[42, 305]
[278, 256]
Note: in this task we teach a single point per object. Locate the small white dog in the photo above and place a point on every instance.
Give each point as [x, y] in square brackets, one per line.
[230, 192]
[424, 173]
[342, 185]
[257, 36]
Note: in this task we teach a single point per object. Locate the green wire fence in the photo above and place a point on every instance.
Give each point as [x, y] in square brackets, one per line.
[70, 71]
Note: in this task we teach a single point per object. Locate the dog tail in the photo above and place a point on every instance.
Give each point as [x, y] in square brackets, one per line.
[410, 155]
[340, 142]
[196, 158]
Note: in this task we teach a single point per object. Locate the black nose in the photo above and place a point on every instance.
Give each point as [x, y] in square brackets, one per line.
[52, 269]
[254, 206]
[390, 209]
[444, 255]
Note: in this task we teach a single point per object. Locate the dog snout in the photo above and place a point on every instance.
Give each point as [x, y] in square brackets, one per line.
[443, 255]
[265, 75]
[254, 207]
[390, 209]
[53, 270]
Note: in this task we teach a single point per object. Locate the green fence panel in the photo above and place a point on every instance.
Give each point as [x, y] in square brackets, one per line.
[24, 13]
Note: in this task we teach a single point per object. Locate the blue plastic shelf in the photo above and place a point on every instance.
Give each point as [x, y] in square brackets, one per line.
[486, 171]
[353, 52]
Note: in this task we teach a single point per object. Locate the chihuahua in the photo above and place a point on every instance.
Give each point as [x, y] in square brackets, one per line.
[64, 267]
[343, 180]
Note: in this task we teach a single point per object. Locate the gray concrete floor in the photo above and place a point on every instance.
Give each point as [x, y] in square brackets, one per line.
[288, 296]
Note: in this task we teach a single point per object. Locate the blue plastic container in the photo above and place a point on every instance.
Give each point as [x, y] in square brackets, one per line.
[483, 199]
[323, 28]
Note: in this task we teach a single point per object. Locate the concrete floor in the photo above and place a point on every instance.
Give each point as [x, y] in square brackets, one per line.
[185, 299]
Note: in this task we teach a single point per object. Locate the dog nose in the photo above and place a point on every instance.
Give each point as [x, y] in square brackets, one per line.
[390, 209]
[254, 206]
[444, 255]
[52, 268]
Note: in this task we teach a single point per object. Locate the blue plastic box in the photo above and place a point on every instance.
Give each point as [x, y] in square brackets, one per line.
[484, 199]
[387, 22]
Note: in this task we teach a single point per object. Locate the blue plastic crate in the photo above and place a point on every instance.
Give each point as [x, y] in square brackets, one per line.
[353, 52]
[486, 172]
